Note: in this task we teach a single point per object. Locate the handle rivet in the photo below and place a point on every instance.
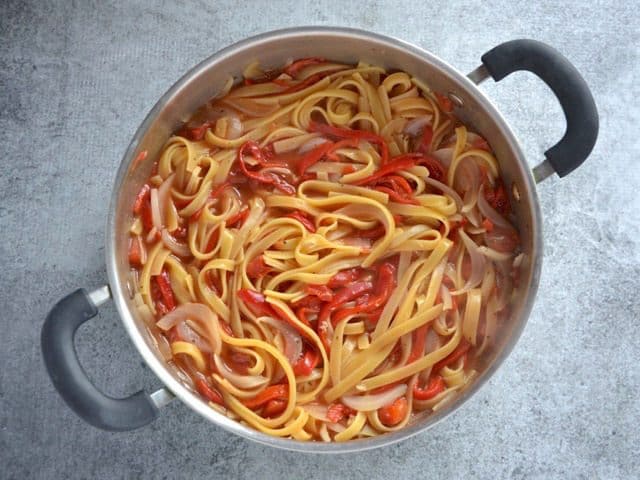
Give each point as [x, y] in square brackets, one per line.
[455, 99]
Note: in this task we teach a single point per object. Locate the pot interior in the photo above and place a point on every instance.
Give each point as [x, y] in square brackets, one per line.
[344, 45]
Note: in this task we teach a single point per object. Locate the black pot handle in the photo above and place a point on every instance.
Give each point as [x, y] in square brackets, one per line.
[568, 86]
[70, 379]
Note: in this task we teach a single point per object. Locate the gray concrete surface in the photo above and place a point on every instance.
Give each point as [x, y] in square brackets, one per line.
[76, 79]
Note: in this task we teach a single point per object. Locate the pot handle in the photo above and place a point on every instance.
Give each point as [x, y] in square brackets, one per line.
[568, 86]
[70, 379]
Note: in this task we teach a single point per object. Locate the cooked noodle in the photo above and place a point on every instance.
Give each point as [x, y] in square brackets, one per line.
[325, 249]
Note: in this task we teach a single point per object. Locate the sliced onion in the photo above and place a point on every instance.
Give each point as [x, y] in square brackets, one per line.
[292, 339]
[478, 262]
[445, 189]
[447, 304]
[489, 212]
[319, 412]
[336, 427]
[164, 197]
[416, 125]
[369, 403]
[445, 155]
[156, 218]
[234, 129]
[364, 243]
[311, 144]
[241, 381]
[188, 334]
[467, 176]
[201, 315]
[180, 249]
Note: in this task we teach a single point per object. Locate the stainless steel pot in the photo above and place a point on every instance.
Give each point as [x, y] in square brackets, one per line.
[274, 49]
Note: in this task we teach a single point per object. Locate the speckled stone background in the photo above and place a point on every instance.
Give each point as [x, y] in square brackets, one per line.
[76, 79]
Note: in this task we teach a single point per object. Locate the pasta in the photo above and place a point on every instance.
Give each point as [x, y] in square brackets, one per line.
[324, 251]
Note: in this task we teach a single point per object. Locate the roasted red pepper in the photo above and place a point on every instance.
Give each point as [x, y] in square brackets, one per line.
[393, 414]
[204, 389]
[347, 133]
[337, 411]
[313, 156]
[345, 277]
[256, 302]
[274, 407]
[342, 296]
[142, 196]
[384, 287]
[444, 102]
[323, 292]
[417, 346]
[401, 162]
[307, 363]
[257, 268]
[303, 219]
[436, 170]
[164, 282]
[135, 253]
[498, 198]
[459, 352]
[268, 178]
[427, 138]
[433, 388]
[239, 217]
[195, 133]
[293, 69]
[272, 392]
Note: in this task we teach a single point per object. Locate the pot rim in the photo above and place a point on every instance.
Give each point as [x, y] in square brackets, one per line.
[119, 292]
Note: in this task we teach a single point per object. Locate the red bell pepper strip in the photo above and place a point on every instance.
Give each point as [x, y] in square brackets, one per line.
[256, 302]
[145, 212]
[301, 313]
[307, 82]
[481, 144]
[213, 240]
[383, 290]
[208, 392]
[460, 351]
[401, 162]
[323, 292]
[195, 133]
[436, 170]
[313, 156]
[341, 297]
[396, 197]
[347, 133]
[337, 411]
[393, 414]
[307, 363]
[433, 388]
[135, 253]
[498, 198]
[257, 268]
[268, 178]
[303, 219]
[345, 277]
[427, 138]
[274, 407]
[272, 392]
[444, 102]
[164, 282]
[417, 347]
[240, 216]
[143, 195]
[293, 69]
[487, 225]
